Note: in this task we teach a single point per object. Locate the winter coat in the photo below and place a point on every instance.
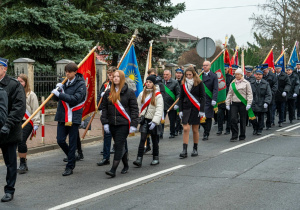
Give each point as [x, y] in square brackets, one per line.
[272, 80]
[16, 109]
[111, 116]
[32, 104]
[211, 82]
[189, 111]
[229, 79]
[153, 113]
[3, 107]
[74, 94]
[244, 88]
[102, 89]
[250, 79]
[160, 83]
[261, 94]
[297, 72]
[284, 85]
[294, 86]
[173, 85]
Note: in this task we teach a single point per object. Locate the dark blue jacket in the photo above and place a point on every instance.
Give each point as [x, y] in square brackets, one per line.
[3, 107]
[74, 95]
[211, 82]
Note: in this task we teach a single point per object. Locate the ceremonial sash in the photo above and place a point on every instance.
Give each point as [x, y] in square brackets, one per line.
[27, 116]
[148, 100]
[171, 94]
[122, 111]
[191, 97]
[210, 95]
[243, 100]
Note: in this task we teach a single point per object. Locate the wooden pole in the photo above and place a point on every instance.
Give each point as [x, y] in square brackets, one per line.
[126, 51]
[268, 54]
[217, 57]
[51, 95]
[280, 56]
[243, 61]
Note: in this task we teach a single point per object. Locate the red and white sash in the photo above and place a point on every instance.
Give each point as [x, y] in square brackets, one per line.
[123, 112]
[148, 100]
[27, 115]
[191, 97]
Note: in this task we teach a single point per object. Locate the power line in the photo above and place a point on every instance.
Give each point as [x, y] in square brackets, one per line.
[222, 8]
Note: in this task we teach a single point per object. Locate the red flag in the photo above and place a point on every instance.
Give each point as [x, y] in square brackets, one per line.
[227, 60]
[88, 70]
[270, 59]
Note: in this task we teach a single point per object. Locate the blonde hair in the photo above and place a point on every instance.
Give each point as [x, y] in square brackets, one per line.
[24, 77]
[115, 96]
[196, 77]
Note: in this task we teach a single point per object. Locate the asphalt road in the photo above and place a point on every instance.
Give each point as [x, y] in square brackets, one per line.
[262, 172]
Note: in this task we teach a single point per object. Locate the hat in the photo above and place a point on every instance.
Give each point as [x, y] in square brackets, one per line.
[259, 71]
[179, 70]
[278, 66]
[248, 68]
[234, 66]
[226, 65]
[298, 62]
[289, 67]
[152, 78]
[239, 71]
[264, 66]
[3, 62]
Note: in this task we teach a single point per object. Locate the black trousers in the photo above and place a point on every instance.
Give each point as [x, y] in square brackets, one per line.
[207, 126]
[298, 106]
[172, 117]
[269, 116]
[10, 159]
[238, 113]
[26, 132]
[62, 133]
[79, 148]
[119, 134]
[280, 105]
[223, 115]
[291, 108]
[258, 123]
[155, 146]
[178, 125]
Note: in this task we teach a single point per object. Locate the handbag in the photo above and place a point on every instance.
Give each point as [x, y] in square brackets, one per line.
[142, 118]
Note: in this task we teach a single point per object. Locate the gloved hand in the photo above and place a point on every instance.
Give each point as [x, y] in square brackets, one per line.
[100, 112]
[228, 108]
[266, 105]
[176, 107]
[248, 107]
[201, 114]
[180, 115]
[106, 128]
[284, 94]
[295, 95]
[55, 92]
[152, 125]
[59, 86]
[35, 127]
[102, 94]
[213, 103]
[132, 129]
[82, 124]
[5, 130]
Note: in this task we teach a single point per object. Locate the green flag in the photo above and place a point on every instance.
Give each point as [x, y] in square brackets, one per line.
[218, 68]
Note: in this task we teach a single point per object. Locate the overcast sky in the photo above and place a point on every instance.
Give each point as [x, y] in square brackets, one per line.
[216, 23]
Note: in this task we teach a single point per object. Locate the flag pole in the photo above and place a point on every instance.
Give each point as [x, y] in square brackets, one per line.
[280, 55]
[268, 54]
[292, 52]
[149, 59]
[243, 61]
[127, 49]
[50, 96]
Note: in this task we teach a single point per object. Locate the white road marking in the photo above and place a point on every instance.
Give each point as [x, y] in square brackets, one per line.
[288, 127]
[250, 142]
[111, 189]
[292, 128]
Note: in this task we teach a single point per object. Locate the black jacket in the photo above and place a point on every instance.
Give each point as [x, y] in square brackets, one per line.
[3, 107]
[110, 115]
[297, 73]
[173, 85]
[294, 86]
[102, 89]
[250, 79]
[273, 82]
[284, 85]
[16, 109]
[211, 82]
[74, 95]
[261, 94]
[161, 86]
[229, 79]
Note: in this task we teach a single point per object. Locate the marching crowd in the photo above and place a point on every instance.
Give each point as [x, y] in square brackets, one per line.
[189, 100]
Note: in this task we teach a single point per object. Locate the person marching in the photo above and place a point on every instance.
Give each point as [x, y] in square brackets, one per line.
[223, 113]
[172, 89]
[3, 107]
[178, 78]
[293, 93]
[30, 129]
[284, 86]
[249, 77]
[239, 100]
[11, 131]
[119, 117]
[297, 72]
[234, 68]
[191, 108]
[151, 104]
[262, 97]
[211, 85]
[71, 99]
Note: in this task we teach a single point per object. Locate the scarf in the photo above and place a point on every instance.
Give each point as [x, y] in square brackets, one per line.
[190, 83]
[237, 82]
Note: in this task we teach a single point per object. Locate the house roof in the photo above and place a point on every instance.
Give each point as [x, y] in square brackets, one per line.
[177, 34]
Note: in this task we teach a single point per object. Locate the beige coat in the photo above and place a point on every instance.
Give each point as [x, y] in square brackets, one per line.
[244, 89]
[32, 104]
[154, 112]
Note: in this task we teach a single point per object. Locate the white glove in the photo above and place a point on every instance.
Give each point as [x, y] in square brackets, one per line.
[100, 112]
[228, 108]
[265, 105]
[59, 85]
[55, 92]
[35, 127]
[102, 94]
[295, 95]
[201, 114]
[284, 94]
[213, 103]
[248, 107]
[82, 124]
[106, 128]
[176, 107]
[180, 115]
[132, 129]
[152, 125]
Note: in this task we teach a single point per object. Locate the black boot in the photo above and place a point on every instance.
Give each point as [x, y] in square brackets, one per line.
[195, 152]
[125, 162]
[23, 166]
[155, 160]
[138, 162]
[112, 171]
[79, 156]
[183, 154]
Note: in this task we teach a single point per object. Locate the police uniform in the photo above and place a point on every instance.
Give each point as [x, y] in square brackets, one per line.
[178, 125]
[292, 95]
[297, 72]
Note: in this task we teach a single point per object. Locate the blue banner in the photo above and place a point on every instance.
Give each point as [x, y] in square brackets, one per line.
[281, 62]
[294, 57]
[131, 70]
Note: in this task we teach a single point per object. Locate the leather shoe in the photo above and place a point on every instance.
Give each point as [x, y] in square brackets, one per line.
[176, 133]
[258, 133]
[7, 197]
[205, 138]
[219, 133]
[171, 137]
[255, 132]
[103, 162]
[242, 138]
[234, 139]
[111, 174]
[226, 133]
[67, 172]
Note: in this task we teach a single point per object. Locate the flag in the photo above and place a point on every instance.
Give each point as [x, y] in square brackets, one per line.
[131, 70]
[227, 60]
[281, 62]
[218, 68]
[235, 58]
[270, 59]
[88, 70]
[149, 62]
[294, 57]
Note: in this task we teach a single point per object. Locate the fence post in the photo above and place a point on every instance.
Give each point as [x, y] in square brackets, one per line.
[25, 66]
[101, 71]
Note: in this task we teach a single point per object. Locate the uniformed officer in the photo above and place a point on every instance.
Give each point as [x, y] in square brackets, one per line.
[11, 131]
[3, 107]
[293, 93]
[249, 77]
[234, 68]
[297, 72]
[178, 125]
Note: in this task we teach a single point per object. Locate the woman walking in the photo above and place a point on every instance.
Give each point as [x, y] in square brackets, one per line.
[151, 104]
[191, 108]
[120, 117]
